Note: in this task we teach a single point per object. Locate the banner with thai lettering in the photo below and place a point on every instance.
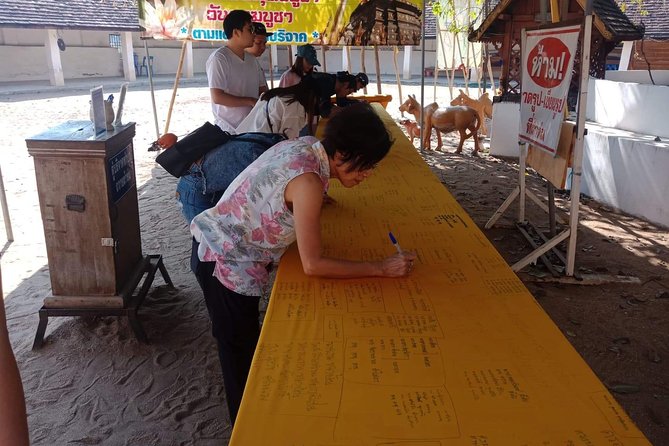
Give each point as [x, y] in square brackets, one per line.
[324, 22]
[547, 63]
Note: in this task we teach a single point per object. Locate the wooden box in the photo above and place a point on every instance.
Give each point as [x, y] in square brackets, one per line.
[88, 199]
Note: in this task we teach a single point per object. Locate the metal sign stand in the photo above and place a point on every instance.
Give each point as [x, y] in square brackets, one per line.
[521, 192]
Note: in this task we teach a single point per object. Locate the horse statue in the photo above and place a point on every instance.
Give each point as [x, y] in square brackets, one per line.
[448, 119]
[483, 107]
[412, 128]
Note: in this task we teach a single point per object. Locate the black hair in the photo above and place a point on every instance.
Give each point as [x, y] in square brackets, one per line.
[235, 20]
[304, 92]
[298, 66]
[346, 77]
[359, 135]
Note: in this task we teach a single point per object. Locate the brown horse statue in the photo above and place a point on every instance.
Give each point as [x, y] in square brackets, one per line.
[412, 128]
[448, 119]
[483, 107]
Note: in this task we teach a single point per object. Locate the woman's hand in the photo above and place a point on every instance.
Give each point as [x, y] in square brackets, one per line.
[398, 265]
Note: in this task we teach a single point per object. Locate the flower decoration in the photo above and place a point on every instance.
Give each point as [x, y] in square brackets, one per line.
[165, 20]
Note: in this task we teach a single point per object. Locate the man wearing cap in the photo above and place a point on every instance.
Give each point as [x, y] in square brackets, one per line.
[361, 80]
[341, 85]
[304, 64]
[234, 80]
[258, 48]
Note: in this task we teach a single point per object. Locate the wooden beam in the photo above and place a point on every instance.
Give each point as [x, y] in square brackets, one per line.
[601, 27]
[555, 11]
[478, 34]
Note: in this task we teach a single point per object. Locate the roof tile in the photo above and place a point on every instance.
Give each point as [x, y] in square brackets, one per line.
[656, 21]
[120, 15]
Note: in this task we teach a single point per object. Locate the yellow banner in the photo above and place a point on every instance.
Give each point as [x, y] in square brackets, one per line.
[458, 353]
[319, 22]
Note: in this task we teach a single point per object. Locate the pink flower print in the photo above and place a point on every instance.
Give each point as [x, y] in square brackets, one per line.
[209, 255]
[257, 235]
[271, 227]
[222, 273]
[269, 230]
[303, 162]
[258, 272]
[227, 246]
[234, 204]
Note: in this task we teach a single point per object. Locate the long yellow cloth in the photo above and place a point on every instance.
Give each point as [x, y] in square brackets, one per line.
[458, 353]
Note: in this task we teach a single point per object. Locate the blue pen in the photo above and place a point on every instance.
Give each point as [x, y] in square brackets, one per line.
[394, 242]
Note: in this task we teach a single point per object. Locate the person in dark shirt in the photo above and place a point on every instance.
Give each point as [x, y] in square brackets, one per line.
[341, 85]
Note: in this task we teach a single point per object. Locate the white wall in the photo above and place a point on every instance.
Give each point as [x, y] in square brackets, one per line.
[28, 63]
[627, 171]
[82, 62]
[661, 77]
[623, 166]
[504, 129]
[88, 54]
[635, 107]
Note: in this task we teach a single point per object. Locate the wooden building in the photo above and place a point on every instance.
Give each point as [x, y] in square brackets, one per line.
[503, 21]
[651, 52]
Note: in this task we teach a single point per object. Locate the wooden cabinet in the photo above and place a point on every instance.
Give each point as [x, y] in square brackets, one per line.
[88, 199]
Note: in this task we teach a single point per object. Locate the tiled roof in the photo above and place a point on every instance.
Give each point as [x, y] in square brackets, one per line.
[119, 15]
[615, 20]
[656, 22]
[607, 11]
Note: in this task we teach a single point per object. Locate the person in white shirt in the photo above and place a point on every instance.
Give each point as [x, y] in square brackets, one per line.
[234, 81]
[304, 64]
[283, 110]
[258, 48]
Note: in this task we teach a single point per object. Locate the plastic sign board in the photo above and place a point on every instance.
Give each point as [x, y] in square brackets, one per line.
[547, 63]
[98, 110]
[291, 22]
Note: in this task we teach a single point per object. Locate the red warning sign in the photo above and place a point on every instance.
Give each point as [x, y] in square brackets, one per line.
[548, 61]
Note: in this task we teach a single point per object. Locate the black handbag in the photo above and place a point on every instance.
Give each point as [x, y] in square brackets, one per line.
[178, 158]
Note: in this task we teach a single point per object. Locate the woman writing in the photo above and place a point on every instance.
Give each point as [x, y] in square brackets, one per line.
[277, 200]
[284, 111]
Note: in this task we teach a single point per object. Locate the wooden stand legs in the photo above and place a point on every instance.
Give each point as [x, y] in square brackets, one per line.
[146, 268]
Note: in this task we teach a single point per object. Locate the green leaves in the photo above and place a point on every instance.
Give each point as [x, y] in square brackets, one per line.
[458, 17]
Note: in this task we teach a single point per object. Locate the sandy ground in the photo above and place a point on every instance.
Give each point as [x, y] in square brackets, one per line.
[93, 383]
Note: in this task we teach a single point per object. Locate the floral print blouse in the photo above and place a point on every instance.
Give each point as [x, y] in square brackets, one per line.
[251, 227]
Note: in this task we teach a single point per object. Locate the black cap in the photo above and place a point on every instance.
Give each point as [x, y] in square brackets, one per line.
[362, 78]
[260, 29]
[345, 76]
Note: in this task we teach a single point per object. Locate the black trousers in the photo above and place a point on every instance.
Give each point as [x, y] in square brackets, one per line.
[234, 325]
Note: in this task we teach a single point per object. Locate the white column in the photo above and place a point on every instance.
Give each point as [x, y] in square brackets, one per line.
[406, 71]
[53, 58]
[274, 50]
[473, 72]
[345, 62]
[187, 70]
[626, 55]
[127, 56]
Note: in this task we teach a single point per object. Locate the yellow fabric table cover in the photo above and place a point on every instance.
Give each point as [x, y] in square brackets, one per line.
[458, 353]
